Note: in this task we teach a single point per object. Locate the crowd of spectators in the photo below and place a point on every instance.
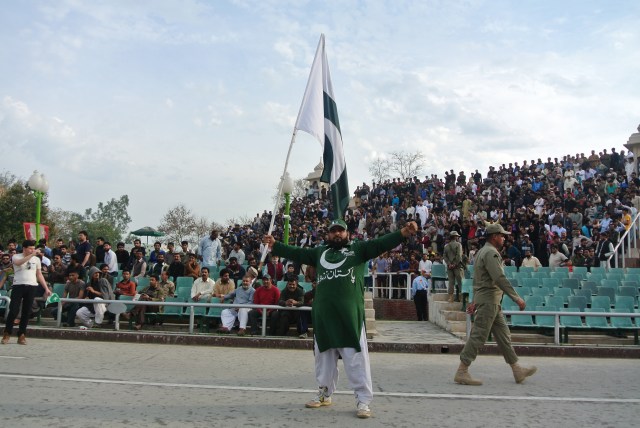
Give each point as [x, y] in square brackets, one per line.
[569, 211]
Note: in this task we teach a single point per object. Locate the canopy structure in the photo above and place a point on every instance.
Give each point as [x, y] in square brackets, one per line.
[147, 231]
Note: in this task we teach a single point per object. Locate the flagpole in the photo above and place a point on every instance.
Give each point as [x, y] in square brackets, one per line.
[293, 139]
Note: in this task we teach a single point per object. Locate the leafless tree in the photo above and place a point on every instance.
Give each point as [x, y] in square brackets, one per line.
[178, 224]
[379, 169]
[406, 164]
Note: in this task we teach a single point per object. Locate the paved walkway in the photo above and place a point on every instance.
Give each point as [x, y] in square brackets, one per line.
[413, 332]
[70, 383]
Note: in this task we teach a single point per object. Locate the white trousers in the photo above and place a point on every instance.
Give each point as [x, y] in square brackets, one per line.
[356, 366]
[228, 317]
[85, 314]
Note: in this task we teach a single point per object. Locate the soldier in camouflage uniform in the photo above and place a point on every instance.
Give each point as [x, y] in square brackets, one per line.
[489, 285]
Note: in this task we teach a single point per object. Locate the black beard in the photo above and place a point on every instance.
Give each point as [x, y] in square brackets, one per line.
[338, 244]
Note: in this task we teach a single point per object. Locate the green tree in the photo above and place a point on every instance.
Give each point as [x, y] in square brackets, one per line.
[17, 206]
[111, 216]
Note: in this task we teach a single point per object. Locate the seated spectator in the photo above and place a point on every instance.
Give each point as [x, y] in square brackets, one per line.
[73, 289]
[97, 289]
[192, 268]
[242, 295]
[139, 267]
[275, 269]
[126, 287]
[57, 270]
[168, 287]
[151, 293]
[159, 266]
[237, 253]
[104, 273]
[290, 274]
[236, 272]
[137, 246]
[224, 285]
[266, 294]
[531, 261]
[291, 296]
[153, 256]
[202, 287]
[176, 268]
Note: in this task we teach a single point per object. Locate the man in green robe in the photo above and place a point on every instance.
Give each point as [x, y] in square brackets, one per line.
[338, 307]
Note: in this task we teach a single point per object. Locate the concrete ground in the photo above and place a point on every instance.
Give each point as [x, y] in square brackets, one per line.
[74, 383]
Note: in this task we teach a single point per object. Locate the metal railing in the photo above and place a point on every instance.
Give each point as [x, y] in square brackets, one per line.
[557, 325]
[191, 306]
[390, 287]
[627, 241]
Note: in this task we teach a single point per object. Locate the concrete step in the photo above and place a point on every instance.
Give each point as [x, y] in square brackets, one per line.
[454, 315]
[456, 326]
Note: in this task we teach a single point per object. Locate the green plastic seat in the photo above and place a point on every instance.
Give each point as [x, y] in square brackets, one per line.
[59, 289]
[579, 270]
[176, 311]
[142, 283]
[563, 293]
[578, 302]
[572, 283]
[601, 302]
[522, 321]
[530, 282]
[533, 301]
[554, 301]
[622, 322]
[184, 294]
[546, 320]
[596, 322]
[550, 282]
[184, 281]
[625, 302]
[592, 287]
[539, 274]
[541, 291]
[573, 321]
[607, 291]
[560, 274]
[611, 283]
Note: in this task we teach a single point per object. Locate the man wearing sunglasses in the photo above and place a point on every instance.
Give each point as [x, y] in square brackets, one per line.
[27, 275]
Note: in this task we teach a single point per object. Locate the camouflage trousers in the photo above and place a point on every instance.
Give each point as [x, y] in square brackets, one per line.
[488, 319]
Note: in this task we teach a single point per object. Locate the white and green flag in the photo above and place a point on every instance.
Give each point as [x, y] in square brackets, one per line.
[319, 117]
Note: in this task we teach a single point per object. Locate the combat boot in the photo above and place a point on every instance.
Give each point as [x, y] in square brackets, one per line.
[463, 377]
[521, 373]
[5, 338]
[450, 298]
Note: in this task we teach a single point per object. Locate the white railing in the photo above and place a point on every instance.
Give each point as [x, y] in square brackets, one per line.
[191, 306]
[390, 287]
[627, 241]
[557, 325]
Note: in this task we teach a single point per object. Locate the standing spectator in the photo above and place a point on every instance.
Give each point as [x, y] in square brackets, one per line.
[100, 250]
[83, 252]
[110, 259]
[122, 255]
[210, 249]
[27, 276]
[419, 291]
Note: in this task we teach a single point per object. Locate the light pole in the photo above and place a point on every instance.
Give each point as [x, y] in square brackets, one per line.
[39, 185]
[287, 189]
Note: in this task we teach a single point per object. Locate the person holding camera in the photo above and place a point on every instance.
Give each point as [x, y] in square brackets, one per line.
[27, 275]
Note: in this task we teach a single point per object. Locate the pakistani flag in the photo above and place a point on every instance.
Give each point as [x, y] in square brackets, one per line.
[319, 117]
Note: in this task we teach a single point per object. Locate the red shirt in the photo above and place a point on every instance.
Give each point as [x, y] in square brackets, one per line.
[126, 288]
[264, 296]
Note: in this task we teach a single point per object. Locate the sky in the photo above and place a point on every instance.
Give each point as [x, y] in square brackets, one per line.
[194, 102]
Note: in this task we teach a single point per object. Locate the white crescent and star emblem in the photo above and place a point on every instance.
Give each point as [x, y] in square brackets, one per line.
[330, 266]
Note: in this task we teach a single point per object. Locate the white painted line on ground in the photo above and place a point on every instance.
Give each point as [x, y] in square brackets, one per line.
[311, 391]
[14, 358]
